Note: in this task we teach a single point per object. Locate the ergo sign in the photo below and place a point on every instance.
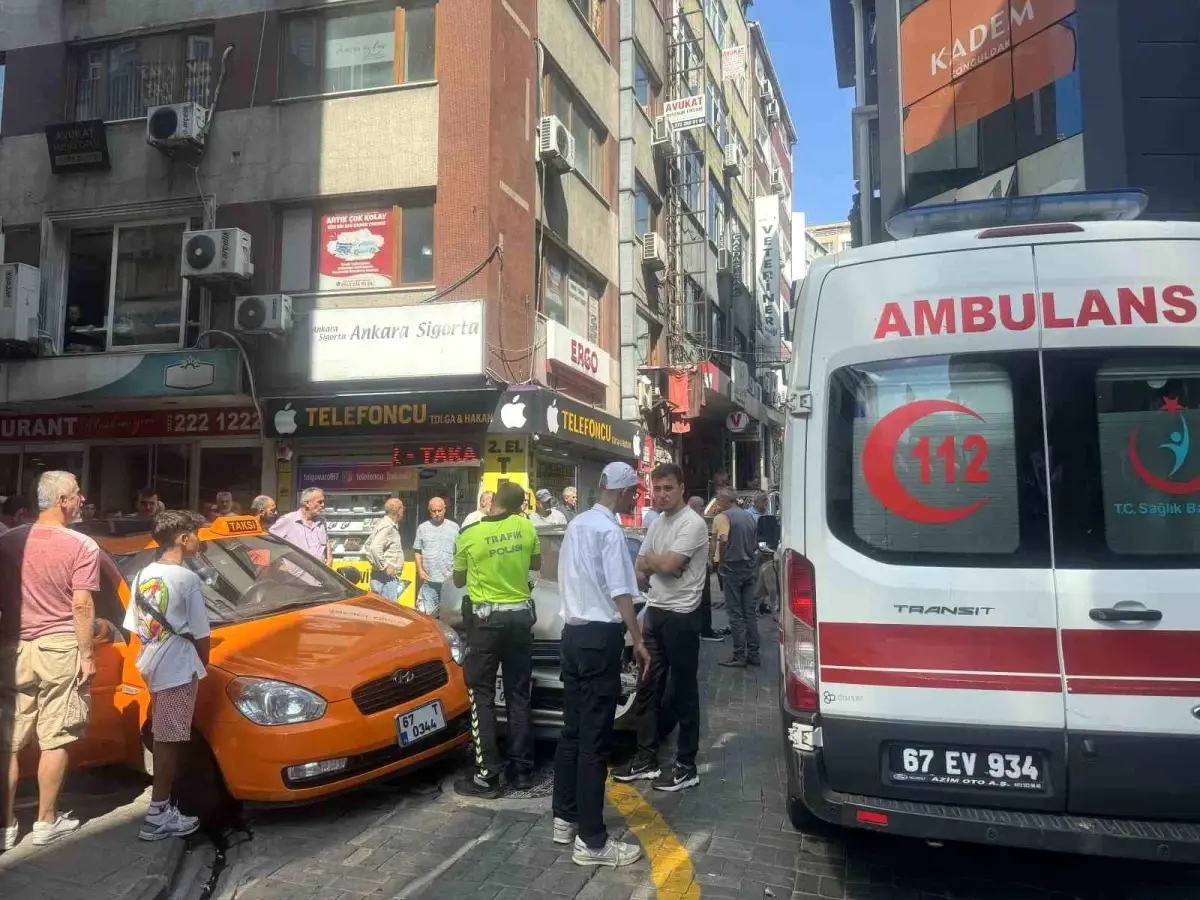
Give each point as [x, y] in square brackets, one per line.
[568, 350]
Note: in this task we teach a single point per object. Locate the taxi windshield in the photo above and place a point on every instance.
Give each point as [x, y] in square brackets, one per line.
[254, 576]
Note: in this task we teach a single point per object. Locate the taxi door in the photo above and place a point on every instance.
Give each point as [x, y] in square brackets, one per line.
[1122, 391]
[928, 534]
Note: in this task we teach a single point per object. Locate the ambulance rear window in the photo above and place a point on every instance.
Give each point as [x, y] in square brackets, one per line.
[1124, 432]
[936, 461]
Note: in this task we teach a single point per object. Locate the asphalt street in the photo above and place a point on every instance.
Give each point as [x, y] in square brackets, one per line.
[728, 838]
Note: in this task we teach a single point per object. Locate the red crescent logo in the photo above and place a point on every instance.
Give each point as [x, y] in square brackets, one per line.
[879, 464]
[1159, 484]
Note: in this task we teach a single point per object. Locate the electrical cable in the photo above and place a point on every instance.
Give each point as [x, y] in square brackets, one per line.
[496, 252]
[262, 422]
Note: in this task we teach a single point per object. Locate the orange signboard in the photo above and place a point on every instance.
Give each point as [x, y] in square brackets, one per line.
[941, 41]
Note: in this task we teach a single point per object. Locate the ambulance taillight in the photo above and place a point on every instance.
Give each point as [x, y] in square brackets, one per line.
[800, 632]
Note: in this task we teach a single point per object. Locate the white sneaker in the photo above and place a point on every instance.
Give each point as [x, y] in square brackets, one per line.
[44, 833]
[613, 854]
[168, 823]
[12, 832]
[564, 831]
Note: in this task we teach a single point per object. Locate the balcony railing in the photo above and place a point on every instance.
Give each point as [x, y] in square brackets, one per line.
[131, 90]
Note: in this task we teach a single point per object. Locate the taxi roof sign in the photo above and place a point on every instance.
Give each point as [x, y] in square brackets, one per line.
[228, 526]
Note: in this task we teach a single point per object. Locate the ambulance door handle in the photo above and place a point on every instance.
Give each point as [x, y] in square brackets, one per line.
[1110, 614]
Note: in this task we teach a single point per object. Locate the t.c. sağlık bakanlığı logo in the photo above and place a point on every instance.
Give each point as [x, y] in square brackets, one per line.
[1177, 448]
[949, 460]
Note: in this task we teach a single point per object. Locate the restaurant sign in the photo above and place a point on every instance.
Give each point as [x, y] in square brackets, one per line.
[40, 427]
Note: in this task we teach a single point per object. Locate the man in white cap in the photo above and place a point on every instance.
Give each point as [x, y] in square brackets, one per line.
[598, 584]
[545, 514]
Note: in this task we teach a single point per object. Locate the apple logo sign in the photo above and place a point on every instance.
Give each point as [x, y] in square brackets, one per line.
[512, 414]
[552, 417]
[637, 443]
[285, 420]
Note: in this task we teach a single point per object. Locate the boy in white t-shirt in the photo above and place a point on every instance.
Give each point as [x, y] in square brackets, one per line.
[167, 614]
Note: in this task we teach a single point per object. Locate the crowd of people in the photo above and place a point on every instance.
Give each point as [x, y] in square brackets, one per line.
[49, 571]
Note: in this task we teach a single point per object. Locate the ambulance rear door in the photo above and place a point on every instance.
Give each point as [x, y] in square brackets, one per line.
[1121, 356]
[928, 531]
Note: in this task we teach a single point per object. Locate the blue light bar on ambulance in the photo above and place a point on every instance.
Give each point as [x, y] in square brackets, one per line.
[1081, 206]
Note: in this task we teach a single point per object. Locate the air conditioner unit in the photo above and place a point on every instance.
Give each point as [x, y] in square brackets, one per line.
[178, 126]
[556, 145]
[773, 111]
[645, 392]
[776, 180]
[664, 139]
[654, 252]
[724, 261]
[263, 314]
[222, 254]
[20, 293]
[733, 159]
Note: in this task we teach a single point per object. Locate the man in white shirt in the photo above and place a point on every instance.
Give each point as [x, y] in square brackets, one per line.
[545, 514]
[674, 558]
[168, 615]
[598, 584]
[485, 509]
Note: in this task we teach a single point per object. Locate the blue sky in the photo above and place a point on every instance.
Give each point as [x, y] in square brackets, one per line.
[801, 44]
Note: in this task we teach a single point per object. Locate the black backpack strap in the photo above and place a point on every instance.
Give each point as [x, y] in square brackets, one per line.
[144, 605]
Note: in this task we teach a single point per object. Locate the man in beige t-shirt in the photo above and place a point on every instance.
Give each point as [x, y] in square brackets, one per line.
[47, 575]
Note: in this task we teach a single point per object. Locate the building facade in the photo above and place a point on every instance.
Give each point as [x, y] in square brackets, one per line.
[384, 247]
[963, 100]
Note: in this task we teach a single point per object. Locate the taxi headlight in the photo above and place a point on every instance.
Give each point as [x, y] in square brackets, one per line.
[267, 702]
[458, 649]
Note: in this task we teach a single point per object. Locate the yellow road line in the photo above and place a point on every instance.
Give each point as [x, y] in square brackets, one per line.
[670, 866]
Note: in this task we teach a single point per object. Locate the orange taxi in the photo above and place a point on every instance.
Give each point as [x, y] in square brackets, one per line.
[314, 686]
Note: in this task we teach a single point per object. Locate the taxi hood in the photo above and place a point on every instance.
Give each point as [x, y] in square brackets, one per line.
[330, 648]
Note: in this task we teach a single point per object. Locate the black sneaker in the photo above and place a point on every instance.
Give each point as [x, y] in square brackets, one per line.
[520, 781]
[636, 770]
[679, 778]
[478, 787]
[712, 636]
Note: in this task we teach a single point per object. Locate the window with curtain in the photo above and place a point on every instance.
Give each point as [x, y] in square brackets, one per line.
[122, 79]
[358, 48]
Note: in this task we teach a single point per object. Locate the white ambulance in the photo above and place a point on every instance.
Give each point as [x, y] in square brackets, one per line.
[991, 533]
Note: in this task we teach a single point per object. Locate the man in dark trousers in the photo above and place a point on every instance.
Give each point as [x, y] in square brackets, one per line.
[674, 559]
[492, 560]
[736, 533]
[598, 584]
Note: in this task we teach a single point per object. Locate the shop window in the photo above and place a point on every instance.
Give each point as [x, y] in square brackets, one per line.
[121, 80]
[89, 263]
[364, 47]
[37, 462]
[118, 473]
[356, 248]
[236, 471]
[589, 138]
[10, 473]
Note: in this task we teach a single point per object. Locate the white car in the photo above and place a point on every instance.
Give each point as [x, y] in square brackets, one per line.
[547, 638]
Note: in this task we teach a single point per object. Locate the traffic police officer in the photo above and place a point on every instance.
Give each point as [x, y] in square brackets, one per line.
[492, 560]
